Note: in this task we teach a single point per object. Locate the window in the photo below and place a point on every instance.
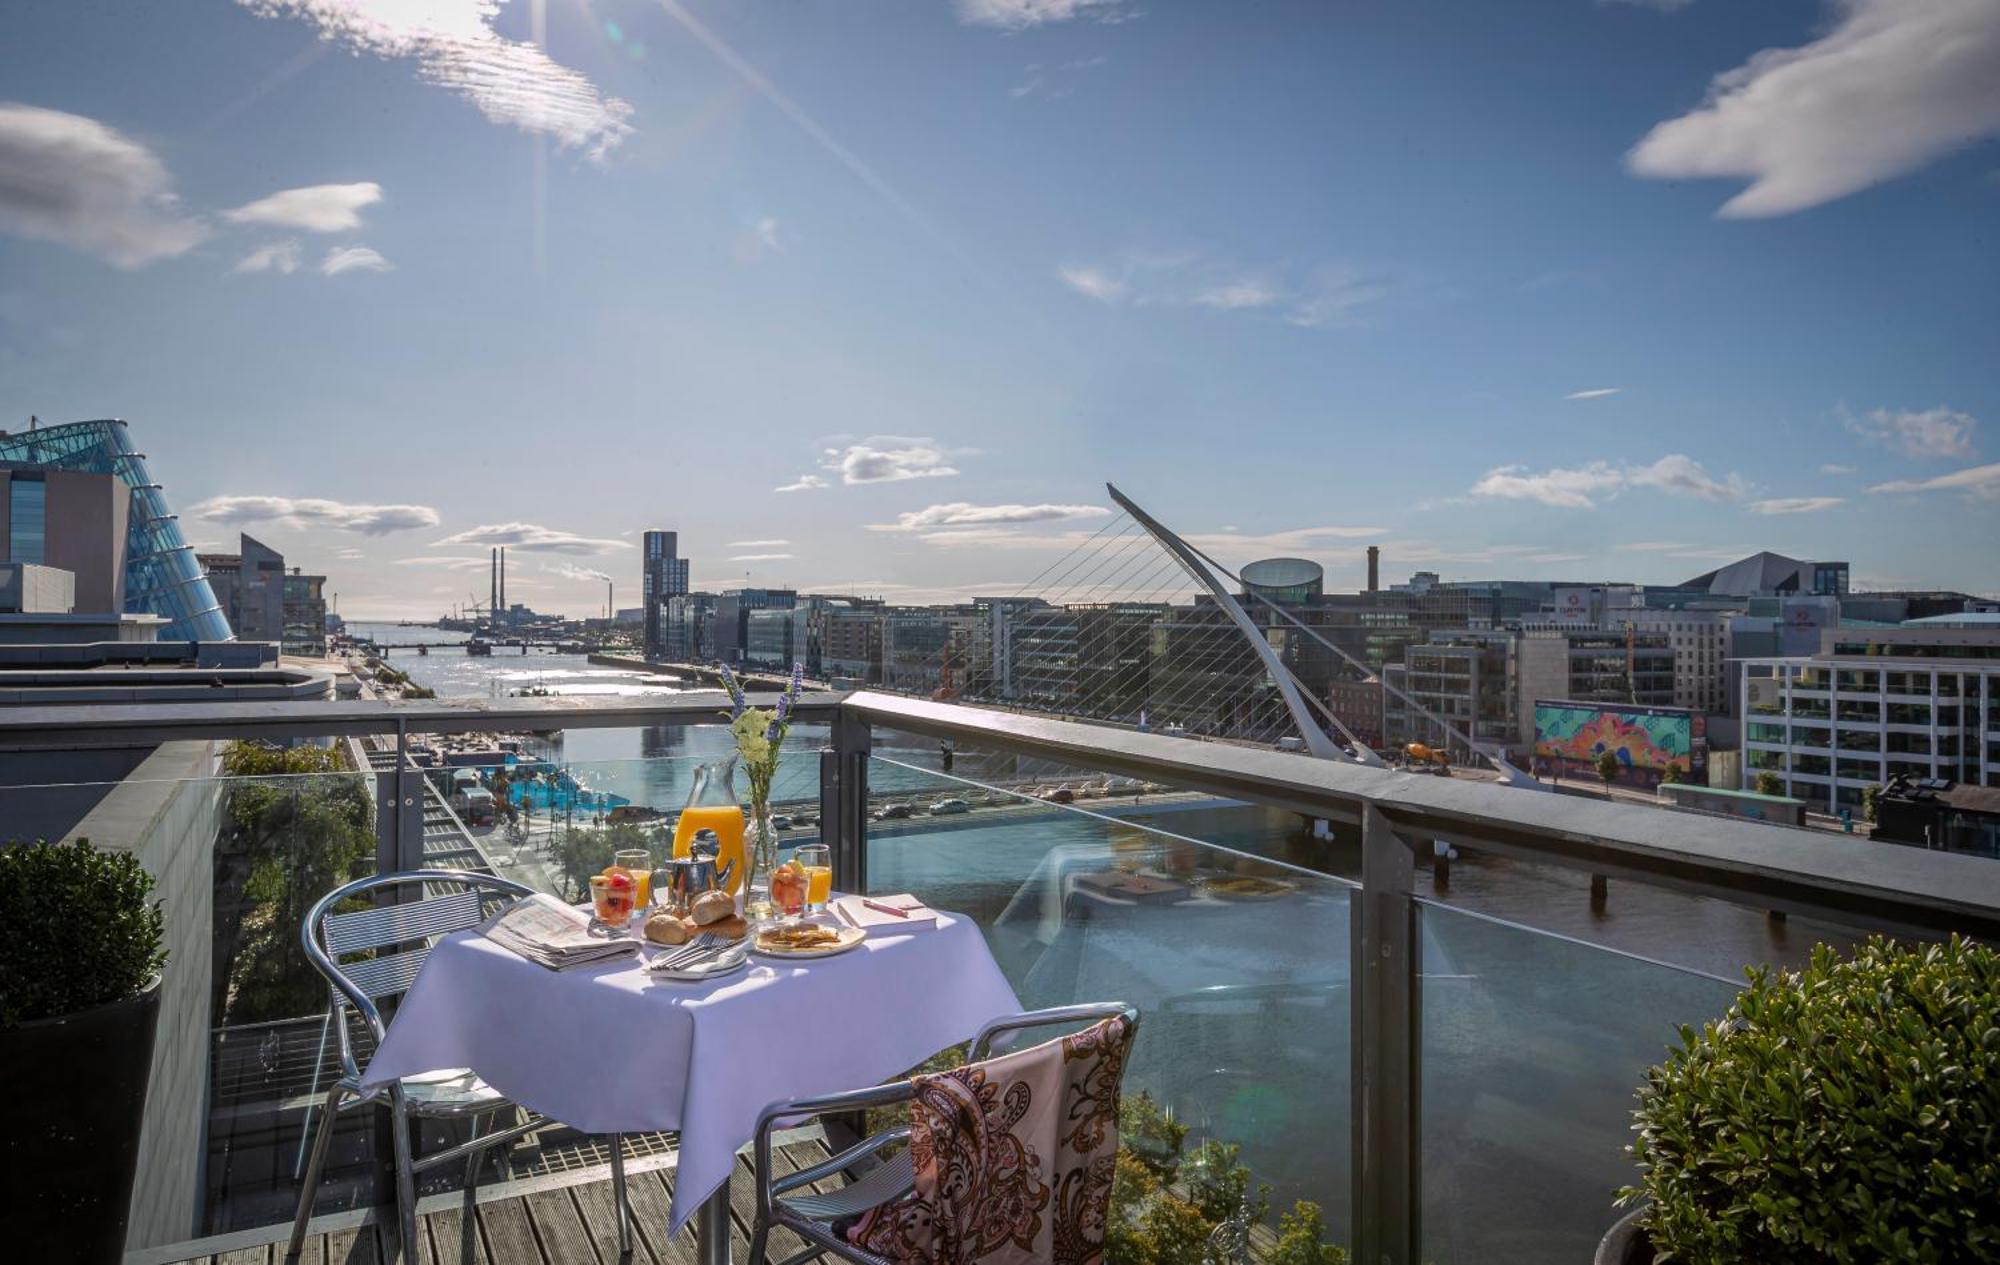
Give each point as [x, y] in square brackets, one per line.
[27, 526]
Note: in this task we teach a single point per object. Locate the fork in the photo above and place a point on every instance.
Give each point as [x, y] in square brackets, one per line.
[695, 950]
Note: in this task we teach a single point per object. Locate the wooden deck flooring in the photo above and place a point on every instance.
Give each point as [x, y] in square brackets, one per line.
[565, 1225]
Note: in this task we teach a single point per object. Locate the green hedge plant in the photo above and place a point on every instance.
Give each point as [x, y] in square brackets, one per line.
[76, 930]
[1846, 1112]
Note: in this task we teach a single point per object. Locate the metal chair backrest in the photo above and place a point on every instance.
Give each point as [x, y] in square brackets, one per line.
[329, 936]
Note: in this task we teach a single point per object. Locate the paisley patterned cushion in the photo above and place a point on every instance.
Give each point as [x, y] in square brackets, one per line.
[1013, 1158]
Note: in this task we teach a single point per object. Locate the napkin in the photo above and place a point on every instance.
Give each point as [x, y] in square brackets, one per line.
[851, 911]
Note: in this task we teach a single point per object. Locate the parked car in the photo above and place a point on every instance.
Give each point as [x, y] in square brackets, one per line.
[474, 805]
[781, 821]
[948, 807]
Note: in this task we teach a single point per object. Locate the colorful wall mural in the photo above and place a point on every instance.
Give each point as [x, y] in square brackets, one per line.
[1570, 736]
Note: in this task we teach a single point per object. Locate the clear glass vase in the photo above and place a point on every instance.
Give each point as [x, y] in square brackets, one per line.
[761, 850]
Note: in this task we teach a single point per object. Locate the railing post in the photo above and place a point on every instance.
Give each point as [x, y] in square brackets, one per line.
[1385, 1049]
[843, 799]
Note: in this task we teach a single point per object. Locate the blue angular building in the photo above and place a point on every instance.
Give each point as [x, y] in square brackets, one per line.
[160, 573]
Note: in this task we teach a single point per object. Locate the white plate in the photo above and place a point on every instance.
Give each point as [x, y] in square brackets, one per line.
[714, 968]
[849, 937]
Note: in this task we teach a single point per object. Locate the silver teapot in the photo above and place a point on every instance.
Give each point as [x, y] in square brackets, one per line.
[682, 879]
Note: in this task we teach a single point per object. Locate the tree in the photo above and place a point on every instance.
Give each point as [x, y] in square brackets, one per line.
[578, 852]
[1769, 783]
[1607, 767]
[1672, 774]
[294, 828]
[1871, 796]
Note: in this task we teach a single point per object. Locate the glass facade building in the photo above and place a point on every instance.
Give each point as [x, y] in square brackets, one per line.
[162, 576]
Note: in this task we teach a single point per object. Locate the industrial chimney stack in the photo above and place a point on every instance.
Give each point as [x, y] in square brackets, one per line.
[1374, 568]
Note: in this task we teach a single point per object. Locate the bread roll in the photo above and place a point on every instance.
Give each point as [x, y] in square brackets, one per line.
[667, 929]
[712, 906]
[730, 928]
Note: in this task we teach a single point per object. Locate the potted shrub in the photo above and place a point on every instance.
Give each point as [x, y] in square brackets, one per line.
[1846, 1112]
[80, 959]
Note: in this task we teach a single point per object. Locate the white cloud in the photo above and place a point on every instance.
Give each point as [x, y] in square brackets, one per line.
[1831, 468]
[1015, 15]
[1796, 504]
[571, 571]
[888, 459]
[534, 538]
[1595, 393]
[349, 555]
[1577, 487]
[1295, 540]
[1246, 292]
[1092, 283]
[455, 46]
[450, 562]
[1684, 476]
[1892, 86]
[369, 520]
[760, 557]
[1002, 538]
[1981, 481]
[68, 179]
[1332, 299]
[353, 259]
[758, 544]
[1319, 298]
[804, 483]
[1936, 432]
[274, 257]
[963, 514]
[1565, 489]
[320, 208]
[1656, 546]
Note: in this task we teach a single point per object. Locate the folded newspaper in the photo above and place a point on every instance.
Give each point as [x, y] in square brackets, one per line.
[542, 929]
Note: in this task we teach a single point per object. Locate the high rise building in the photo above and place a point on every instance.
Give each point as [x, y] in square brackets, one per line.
[79, 497]
[267, 602]
[663, 576]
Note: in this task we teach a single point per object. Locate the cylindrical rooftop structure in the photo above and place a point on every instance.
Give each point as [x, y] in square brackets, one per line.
[1285, 580]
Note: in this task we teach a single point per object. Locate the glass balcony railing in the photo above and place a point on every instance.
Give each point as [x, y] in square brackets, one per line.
[1532, 1046]
[1178, 903]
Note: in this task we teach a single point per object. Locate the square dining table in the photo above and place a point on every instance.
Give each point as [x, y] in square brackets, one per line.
[614, 1048]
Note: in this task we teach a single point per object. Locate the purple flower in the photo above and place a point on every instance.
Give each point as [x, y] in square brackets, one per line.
[736, 700]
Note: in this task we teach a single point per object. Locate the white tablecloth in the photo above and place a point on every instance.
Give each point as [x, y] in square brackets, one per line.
[612, 1049]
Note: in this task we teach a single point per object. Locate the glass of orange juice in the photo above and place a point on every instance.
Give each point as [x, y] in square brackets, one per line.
[638, 862]
[817, 859]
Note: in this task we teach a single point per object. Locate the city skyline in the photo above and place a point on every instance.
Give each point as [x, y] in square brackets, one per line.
[386, 291]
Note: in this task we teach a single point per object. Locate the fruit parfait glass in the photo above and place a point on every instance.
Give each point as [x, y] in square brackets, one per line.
[789, 887]
[613, 897]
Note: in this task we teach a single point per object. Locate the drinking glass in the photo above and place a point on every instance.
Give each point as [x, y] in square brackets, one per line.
[788, 888]
[612, 898]
[638, 862]
[818, 860]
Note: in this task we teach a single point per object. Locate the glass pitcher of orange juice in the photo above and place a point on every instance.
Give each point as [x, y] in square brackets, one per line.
[712, 805]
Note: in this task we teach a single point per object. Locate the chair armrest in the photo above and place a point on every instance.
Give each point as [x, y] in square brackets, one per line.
[828, 1167]
[982, 1045]
[853, 1100]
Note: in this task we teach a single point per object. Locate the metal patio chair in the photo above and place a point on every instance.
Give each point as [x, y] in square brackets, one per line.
[454, 901]
[816, 1217]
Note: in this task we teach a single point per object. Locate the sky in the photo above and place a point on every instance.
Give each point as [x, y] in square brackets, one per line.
[877, 295]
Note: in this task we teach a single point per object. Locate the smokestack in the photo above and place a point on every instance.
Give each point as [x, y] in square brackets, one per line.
[492, 582]
[1374, 568]
[503, 577]
[609, 612]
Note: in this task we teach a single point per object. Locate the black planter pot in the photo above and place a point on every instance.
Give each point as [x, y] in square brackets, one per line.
[75, 1094]
[1625, 1243]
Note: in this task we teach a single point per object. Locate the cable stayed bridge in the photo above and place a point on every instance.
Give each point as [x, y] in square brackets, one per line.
[1137, 627]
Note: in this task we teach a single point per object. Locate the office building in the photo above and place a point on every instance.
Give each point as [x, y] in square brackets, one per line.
[732, 618]
[1769, 574]
[687, 629]
[1921, 702]
[80, 497]
[663, 576]
[266, 602]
